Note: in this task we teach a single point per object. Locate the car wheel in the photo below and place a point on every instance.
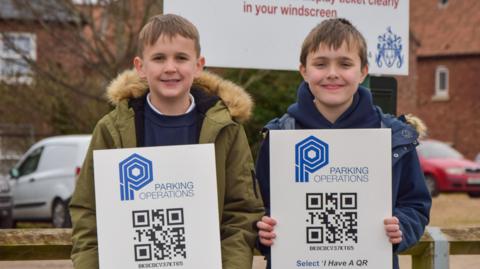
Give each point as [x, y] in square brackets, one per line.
[474, 194]
[6, 222]
[60, 215]
[431, 185]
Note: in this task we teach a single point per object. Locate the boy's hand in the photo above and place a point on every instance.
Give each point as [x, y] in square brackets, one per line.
[392, 228]
[265, 230]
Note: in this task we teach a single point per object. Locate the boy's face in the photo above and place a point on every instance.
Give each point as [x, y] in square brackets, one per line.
[333, 77]
[169, 66]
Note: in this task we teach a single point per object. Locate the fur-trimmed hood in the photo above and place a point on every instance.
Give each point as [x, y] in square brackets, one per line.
[417, 124]
[129, 85]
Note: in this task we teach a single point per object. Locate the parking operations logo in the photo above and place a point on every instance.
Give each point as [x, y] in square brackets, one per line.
[135, 173]
[311, 154]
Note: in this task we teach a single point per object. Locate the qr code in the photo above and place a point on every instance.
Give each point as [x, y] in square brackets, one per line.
[159, 234]
[331, 218]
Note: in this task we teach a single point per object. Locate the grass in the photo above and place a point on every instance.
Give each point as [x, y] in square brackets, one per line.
[448, 210]
[455, 210]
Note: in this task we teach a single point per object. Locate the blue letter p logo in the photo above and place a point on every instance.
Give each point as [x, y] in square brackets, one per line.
[135, 173]
[311, 154]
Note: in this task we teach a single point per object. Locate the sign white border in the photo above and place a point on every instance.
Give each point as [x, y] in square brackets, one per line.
[233, 35]
[347, 164]
[181, 181]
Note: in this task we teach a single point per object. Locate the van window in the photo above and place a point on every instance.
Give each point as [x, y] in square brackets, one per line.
[58, 157]
[30, 164]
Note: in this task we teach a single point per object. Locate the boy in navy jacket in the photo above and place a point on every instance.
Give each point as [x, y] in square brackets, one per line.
[333, 62]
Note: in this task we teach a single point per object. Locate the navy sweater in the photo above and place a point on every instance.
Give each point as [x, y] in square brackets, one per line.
[164, 130]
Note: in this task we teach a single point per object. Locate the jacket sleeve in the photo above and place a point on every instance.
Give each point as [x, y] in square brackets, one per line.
[82, 207]
[243, 206]
[262, 168]
[412, 206]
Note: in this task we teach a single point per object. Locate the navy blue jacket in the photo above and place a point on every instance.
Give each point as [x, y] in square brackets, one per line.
[410, 198]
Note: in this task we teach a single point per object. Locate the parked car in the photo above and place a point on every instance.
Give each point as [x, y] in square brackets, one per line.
[44, 179]
[6, 220]
[446, 170]
[7, 161]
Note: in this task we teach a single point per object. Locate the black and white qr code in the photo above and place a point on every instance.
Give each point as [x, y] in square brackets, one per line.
[331, 218]
[159, 234]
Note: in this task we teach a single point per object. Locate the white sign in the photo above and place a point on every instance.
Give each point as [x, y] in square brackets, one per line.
[330, 192]
[157, 207]
[268, 34]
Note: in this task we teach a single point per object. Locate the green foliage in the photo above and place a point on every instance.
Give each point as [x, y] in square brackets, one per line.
[272, 91]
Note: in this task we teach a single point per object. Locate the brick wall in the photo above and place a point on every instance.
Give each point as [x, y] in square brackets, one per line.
[406, 85]
[50, 53]
[456, 120]
[51, 48]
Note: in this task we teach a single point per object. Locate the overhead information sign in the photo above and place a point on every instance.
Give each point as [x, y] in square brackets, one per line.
[268, 34]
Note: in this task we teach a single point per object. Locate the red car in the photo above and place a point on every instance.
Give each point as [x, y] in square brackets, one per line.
[446, 170]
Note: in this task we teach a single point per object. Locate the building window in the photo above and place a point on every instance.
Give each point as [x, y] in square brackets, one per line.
[16, 49]
[441, 83]
[442, 3]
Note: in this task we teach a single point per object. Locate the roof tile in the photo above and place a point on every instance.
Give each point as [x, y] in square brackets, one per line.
[450, 29]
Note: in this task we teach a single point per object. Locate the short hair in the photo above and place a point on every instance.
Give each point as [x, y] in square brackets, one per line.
[332, 33]
[167, 25]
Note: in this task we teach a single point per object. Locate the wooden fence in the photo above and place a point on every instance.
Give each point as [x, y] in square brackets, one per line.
[431, 252]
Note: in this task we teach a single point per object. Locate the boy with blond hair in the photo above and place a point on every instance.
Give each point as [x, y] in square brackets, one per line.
[169, 100]
[333, 63]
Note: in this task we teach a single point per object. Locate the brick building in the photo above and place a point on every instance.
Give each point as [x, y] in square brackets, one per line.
[442, 87]
[31, 35]
[67, 53]
[21, 28]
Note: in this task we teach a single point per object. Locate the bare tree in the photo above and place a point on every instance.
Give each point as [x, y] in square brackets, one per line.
[81, 46]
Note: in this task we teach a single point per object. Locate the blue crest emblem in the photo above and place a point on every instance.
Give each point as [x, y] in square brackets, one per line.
[135, 173]
[311, 154]
[389, 50]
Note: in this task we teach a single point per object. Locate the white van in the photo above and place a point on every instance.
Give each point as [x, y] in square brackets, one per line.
[44, 178]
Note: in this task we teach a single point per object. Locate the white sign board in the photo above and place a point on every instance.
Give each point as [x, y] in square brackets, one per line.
[330, 192]
[268, 34]
[157, 207]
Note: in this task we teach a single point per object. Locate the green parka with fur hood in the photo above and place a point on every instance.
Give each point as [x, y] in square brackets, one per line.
[239, 204]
